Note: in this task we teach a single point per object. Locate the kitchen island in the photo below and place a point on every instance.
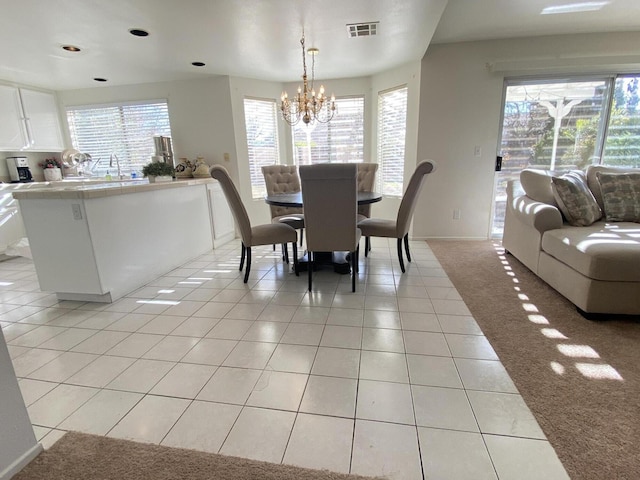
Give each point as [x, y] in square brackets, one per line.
[99, 242]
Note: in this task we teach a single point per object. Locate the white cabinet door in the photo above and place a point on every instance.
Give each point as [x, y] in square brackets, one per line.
[12, 134]
[41, 117]
[222, 219]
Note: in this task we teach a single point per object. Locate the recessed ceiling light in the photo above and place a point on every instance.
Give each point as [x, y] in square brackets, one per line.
[71, 48]
[574, 8]
[139, 32]
[313, 51]
[100, 79]
[198, 64]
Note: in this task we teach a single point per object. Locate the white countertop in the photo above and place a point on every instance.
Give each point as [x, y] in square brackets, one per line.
[93, 189]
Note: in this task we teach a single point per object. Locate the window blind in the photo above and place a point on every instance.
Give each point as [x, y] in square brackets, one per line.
[339, 141]
[392, 128]
[126, 130]
[262, 140]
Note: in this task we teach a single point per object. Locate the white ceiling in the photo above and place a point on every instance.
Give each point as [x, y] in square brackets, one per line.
[258, 38]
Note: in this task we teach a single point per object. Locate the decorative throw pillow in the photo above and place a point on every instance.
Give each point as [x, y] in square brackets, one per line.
[575, 200]
[621, 196]
[537, 185]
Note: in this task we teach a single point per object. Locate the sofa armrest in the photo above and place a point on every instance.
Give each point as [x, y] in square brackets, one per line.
[538, 215]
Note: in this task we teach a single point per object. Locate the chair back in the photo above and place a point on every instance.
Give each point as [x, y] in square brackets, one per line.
[330, 202]
[410, 197]
[366, 181]
[235, 202]
[281, 179]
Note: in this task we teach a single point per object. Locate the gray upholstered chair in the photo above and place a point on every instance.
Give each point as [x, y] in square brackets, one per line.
[366, 181]
[253, 236]
[284, 179]
[399, 228]
[329, 194]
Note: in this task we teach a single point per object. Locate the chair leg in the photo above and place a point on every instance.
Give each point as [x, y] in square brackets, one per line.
[400, 255]
[406, 246]
[310, 266]
[354, 266]
[285, 253]
[248, 269]
[295, 258]
[274, 247]
[367, 245]
[301, 235]
[242, 257]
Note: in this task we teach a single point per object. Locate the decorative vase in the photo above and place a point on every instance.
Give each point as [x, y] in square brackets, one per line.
[52, 174]
[184, 169]
[201, 169]
[160, 178]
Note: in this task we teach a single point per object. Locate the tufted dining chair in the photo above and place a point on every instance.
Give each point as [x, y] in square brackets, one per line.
[270, 233]
[330, 211]
[284, 179]
[366, 181]
[399, 228]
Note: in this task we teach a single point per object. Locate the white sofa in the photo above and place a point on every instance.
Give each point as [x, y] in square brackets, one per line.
[596, 267]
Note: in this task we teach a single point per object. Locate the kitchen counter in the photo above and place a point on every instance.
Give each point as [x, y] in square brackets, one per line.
[100, 241]
[97, 189]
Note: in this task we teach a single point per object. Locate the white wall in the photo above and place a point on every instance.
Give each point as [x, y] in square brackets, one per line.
[460, 108]
[17, 441]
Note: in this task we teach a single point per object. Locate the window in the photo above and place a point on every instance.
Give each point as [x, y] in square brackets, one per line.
[392, 128]
[339, 141]
[262, 140]
[560, 124]
[622, 146]
[126, 130]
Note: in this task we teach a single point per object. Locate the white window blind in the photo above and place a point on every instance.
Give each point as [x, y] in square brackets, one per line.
[262, 140]
[126, 130]
[339, 141]
[392, 128]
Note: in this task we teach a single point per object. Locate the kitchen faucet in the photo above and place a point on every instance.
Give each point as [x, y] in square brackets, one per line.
[113, 155]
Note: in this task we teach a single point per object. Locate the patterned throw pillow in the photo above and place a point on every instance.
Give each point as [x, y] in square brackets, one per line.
[575, 200]
[621, 196]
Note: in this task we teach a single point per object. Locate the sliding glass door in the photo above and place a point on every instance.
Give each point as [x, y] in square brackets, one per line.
[566, 124]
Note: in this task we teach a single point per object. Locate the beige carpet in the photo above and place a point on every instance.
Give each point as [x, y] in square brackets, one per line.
[78, 456]
[592, 419]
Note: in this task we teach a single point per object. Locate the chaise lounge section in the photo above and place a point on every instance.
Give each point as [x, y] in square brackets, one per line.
[576, 239]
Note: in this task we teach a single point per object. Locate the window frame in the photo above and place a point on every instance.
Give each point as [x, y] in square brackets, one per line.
[381, 142]
[296, 157]
[256, 178]
[126, 162]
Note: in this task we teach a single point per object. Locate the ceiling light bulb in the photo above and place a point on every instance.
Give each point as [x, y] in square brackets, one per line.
[71, 48]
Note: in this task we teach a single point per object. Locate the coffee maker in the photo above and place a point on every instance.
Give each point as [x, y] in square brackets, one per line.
[19, 169]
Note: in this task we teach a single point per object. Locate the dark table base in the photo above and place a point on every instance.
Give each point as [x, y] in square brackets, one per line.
[338, 260]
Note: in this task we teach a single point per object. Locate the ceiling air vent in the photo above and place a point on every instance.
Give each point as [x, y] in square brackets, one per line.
[362, 29]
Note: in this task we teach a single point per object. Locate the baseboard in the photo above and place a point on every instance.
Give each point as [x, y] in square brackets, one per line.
[21, 462]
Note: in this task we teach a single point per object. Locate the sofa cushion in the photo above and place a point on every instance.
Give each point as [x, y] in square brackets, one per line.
[575, 200]
[602, 251]
[537, 185]
[621, 196]
[592, 178]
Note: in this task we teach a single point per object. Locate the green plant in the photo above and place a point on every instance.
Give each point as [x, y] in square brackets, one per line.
[158, 169]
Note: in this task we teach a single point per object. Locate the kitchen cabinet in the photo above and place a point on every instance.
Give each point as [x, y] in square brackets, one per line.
[29, 120]
[97, 243]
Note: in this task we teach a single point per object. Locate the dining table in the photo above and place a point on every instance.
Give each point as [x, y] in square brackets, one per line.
[295, 199]
[339, 260]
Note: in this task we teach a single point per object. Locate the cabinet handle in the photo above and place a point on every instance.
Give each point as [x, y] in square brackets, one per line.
[30, 140]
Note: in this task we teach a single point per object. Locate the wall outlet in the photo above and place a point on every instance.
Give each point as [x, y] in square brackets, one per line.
[456, 214]
[77, 211]
[226, 157]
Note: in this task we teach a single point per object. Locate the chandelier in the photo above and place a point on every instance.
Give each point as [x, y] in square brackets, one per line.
[307, 105]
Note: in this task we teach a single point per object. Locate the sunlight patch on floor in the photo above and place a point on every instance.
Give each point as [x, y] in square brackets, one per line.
[588, 370]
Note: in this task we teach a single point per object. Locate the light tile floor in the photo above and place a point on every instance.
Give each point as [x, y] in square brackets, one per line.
[394, 380]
